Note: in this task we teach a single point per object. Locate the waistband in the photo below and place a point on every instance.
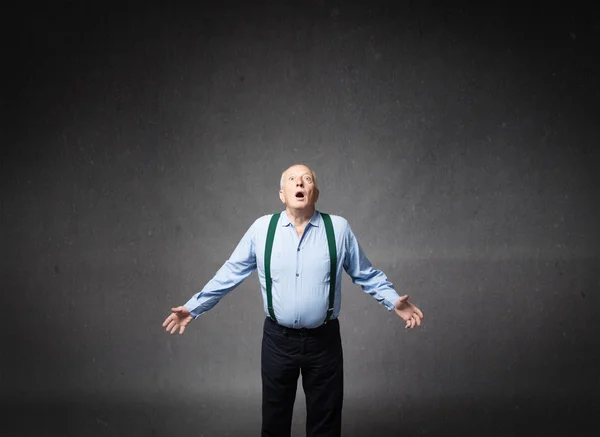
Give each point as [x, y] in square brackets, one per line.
[272, 325]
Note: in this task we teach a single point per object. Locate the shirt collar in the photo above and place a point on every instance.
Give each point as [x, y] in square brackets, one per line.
[314, 220]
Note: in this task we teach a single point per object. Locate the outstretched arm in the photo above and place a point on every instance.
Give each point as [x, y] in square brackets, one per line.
[376, 283]
[236, 269]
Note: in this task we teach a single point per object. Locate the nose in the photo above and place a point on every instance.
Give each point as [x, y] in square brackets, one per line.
[299, 182]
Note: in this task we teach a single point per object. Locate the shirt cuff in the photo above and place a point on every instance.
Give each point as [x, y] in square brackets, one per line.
[193, 307]
[389, 300]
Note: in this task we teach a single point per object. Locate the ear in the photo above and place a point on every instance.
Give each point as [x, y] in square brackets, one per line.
[281, 197]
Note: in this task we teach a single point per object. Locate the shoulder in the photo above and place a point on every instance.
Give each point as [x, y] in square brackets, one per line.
[263, 220]
[261, 224]
[340, 224]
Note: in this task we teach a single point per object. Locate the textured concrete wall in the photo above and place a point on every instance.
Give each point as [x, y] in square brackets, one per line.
[460, 143]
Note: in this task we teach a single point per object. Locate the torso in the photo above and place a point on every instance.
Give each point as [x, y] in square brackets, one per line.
[300, 231]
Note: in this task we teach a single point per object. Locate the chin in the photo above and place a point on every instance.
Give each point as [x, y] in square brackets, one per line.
[301, 205]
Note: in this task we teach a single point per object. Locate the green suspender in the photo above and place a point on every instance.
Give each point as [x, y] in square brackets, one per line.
[268, 250]
[332, 263]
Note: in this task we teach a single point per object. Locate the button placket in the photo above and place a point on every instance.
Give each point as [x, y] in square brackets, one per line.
[298, 271]
[298, 261]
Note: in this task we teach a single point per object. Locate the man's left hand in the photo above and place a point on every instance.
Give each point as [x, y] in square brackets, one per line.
[410, 313]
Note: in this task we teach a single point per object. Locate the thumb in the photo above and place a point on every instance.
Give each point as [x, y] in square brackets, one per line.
[401, 300]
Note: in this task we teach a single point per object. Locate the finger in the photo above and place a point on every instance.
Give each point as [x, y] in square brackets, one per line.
[174, 329]
[412, 323]
[169, 318]
[170, 325]
[407, 324]
[417, 319]
[419, 312]
[181, 329]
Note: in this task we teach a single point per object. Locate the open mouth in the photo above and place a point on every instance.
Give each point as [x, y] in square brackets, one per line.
[299, 195]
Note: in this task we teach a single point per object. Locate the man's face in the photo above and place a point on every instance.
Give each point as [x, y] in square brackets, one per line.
[299, 190]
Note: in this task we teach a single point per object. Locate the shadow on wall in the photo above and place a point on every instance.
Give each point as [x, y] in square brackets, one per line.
[535, 337]
[477, 416]
[222, 416]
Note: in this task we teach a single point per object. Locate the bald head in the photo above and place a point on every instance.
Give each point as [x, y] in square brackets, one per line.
[296, 167]
[298, 188]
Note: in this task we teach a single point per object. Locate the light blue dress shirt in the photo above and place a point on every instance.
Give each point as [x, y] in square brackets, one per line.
[300, 271]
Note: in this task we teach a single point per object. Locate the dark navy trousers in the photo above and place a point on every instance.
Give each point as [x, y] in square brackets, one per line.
[317, 355]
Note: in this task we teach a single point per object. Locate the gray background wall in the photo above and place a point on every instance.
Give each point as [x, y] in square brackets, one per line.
[459, 142]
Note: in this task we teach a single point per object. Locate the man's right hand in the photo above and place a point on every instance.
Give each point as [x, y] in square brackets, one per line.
[179, 318]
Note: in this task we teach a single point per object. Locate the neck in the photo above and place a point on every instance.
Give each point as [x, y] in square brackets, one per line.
[299, 217]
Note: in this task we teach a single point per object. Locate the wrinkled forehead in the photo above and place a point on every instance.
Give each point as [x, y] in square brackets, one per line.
[298, 170]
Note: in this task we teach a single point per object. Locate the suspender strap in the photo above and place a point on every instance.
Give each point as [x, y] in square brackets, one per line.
[268, 250]
[332, 263]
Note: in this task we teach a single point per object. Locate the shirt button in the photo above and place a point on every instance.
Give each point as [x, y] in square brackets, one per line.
[297, 274]
[298, 249]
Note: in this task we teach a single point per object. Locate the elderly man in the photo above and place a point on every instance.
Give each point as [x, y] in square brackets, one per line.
[300, 254]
